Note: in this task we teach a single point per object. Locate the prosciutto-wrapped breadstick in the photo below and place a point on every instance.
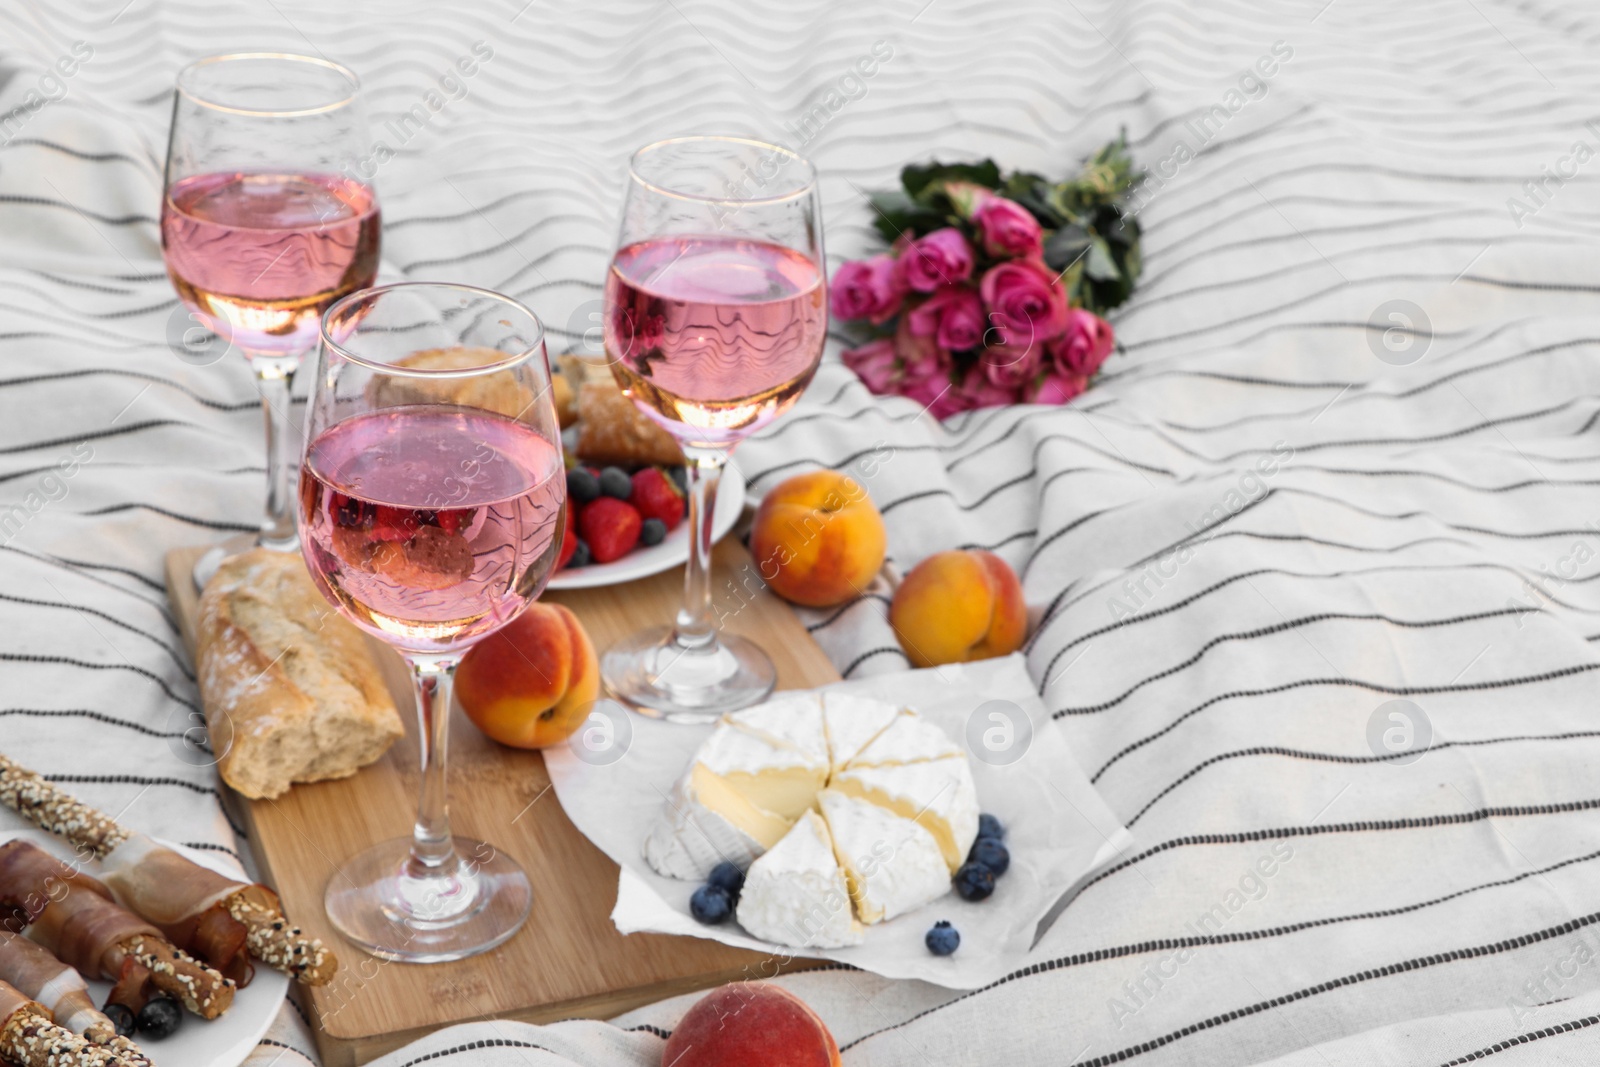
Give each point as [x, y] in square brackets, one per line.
[35, 973]
[29, 1039]
[73, 916]
[194, 906]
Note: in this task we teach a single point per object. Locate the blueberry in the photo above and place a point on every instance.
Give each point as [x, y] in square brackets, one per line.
[121, 1017]
[991, 853]
[652, 532]
[160, 1017]
[582, 485]
[711, 904]
[974, 881]
[614, 481]
[680, 478]
[942, 939]
[580, 555]
[989, 826]
[727, 876]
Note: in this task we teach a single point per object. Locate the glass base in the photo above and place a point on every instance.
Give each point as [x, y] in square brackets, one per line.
[657, 677]
[378, 902]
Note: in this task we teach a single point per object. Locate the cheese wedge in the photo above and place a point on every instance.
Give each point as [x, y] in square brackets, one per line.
[892, 864]
[938, 794]
[852, 722]
[788, 721]
[773, 776]
[796, 894]
[908, 739]
[738, 797]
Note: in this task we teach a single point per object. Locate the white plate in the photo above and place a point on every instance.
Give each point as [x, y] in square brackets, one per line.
[643, 562]
[224, 1041]
[1057, 827]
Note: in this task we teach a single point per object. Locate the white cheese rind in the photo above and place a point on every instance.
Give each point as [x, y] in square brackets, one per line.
[791, 721]
[796, 894]
[939, 794]
[852, 722]
[893, 865]
[689, 839]
[909, 739]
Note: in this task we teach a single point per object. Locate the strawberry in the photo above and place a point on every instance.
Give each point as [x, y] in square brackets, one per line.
[611, 527]
[569, 539]
[657, 496]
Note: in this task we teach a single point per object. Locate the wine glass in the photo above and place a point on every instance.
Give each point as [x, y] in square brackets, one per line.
[715, 318]
[432, 500]
[265, 222]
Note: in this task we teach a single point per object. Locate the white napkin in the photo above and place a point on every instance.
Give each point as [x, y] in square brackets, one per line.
[1058, 828]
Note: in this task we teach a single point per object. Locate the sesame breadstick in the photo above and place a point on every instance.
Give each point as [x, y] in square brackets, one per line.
[29, 1039]
[47, 807]
[270, 937]
[194, 985]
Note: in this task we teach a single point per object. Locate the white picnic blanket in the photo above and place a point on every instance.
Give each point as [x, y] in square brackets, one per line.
[1347, 456]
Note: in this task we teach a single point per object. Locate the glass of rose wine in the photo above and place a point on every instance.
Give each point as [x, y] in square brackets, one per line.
[432, 496]
[715, 318]
[264, 225]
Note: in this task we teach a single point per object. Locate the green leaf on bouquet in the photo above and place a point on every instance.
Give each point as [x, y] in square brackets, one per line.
[917, 178]
[1100, 266]
[894, 213]
[1066, 246]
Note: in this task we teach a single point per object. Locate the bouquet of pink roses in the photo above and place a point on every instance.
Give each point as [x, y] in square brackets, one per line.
[990, 291]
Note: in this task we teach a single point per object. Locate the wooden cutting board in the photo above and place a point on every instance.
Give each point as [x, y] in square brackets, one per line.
[569, 960]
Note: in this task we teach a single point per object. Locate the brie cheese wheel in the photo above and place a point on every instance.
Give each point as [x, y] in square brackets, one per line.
[908, 739]
[892, 864]
[938, 794]
[774, 777]
[796, 894]
[852, 722]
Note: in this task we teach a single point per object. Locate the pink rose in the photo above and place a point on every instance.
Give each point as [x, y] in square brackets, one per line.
[1084, 345]
[1008, 228]
[876, 363]
[1026, 303]
[866, 289]
[953, 317]
[978, 390]
[942, 257]
[1011, 366]
[1055, 387]
[926, 374]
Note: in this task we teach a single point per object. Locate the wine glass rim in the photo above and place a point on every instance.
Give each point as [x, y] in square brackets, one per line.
[803, 189]
[291, 57]
[511, 359]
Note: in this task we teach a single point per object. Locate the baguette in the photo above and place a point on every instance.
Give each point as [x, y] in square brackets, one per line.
[612, 431]
[290, 690]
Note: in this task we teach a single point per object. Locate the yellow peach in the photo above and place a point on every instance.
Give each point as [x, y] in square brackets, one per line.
[959, 606]
[818, 539]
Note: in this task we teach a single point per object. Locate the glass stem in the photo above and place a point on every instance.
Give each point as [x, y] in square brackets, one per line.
[694, 628]
[274, 380]
[432, 847]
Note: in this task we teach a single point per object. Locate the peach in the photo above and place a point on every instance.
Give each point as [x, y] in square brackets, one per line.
[747, 1023]
[959, 606]
[818, 539]
[531, 684]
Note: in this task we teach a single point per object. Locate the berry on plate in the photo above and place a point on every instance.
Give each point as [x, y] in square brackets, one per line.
[582, 485]
[614, 482]
[711, 904]
[569, 538]
[657, 497]
[974, 881]
[580, 554]
[989, 826]
[991, 853]
[652, 532]
[611, 527]
[942, 938]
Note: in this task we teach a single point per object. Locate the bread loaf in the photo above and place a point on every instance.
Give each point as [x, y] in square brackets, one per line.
[612, 430]
[290, 689]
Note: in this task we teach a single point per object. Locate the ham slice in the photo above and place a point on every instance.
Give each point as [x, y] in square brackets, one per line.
[35, 973]
[28, 1037]
[94, 935]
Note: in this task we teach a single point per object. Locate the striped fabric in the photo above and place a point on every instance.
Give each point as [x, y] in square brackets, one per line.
[1345, 458]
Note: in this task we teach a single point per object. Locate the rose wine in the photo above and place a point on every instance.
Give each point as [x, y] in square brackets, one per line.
[714, 337]
[265, 254]
[431, 526]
